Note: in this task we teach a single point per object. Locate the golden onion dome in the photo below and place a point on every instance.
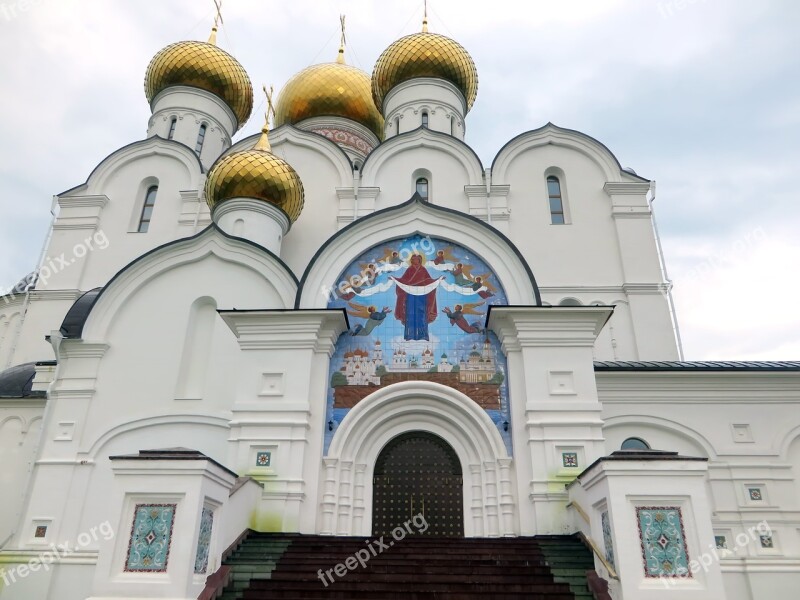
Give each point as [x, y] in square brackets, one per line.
[425, 55]
[205, 66]
[258, 174]
[329, 90]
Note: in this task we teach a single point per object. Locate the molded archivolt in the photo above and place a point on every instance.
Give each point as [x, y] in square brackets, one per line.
[211, 241]
[152, 146]
[407, 407]
[640, 425]
[314, 142]
[553, 135]
[405, 220]
[421, 137]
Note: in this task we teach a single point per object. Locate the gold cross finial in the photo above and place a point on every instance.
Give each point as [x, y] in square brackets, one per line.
[342, 42]
[425, 19]
[217, 20]
[263, 142]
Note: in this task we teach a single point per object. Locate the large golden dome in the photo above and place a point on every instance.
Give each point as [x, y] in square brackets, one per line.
[329, 90]
[258, 174]
[425, 55]
[205, 66]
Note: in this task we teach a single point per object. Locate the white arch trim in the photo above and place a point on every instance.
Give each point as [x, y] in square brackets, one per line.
[556, 136]
[93, 447]
[346, 507]
[406, 220]
[172, 256]
[421, 138]
[152, 146]
[664, 424]
[286, 135]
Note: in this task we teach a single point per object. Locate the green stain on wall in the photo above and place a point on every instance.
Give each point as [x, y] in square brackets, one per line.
[266, 522]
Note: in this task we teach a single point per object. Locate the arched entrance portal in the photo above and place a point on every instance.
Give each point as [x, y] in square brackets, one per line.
[418, 473]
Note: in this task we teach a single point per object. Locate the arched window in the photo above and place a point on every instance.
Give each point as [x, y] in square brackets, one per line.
[556, 201]
[172, 125]
[147, 209]
[201, 137]
[425, 118]
[635, 444]
[422, 187]
[397, 126]
[570, 302]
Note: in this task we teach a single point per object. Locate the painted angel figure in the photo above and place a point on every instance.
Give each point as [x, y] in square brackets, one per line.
[483, 287]
[461, 275]
[445, 255]
[391, 257]
[371, 313]
[456, 316]
[364, 280]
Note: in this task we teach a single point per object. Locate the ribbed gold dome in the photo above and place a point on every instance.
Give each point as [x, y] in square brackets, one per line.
[256, 174]
[204, 66]
[425, 55]
[329, 90]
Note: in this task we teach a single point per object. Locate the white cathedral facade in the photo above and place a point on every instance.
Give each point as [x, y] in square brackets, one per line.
[211, 346]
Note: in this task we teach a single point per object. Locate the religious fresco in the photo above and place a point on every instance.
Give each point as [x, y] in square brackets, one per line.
[417, 309]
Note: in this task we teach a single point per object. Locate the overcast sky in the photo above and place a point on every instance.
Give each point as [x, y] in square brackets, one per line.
[701, 95]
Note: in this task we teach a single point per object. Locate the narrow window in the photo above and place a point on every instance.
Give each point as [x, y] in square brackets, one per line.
[397, 126]
[147, 209]
[424, 119]
[635, 444]
[452, 126]
[422, 188]
[172, 125]
[556, 202]
[201, 137]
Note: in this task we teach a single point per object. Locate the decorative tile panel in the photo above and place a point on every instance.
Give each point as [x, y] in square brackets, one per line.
[41, 531]
[417, 308]
[263, 459]
[204, 541]
[151, 536]
[767, 541]
[608, 540]
[663, 541]
[755, 494]
[569, 459]
[721, 542]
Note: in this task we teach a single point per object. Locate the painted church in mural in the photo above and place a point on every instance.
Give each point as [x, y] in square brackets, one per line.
[347, 319]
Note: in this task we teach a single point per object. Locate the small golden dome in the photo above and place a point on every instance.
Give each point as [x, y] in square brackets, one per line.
[425, 55]
[259, 174]
[205, 66]
[329, 90]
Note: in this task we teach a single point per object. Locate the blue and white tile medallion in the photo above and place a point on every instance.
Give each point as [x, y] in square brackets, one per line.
[663, 541]
[204, 541]
[151, 536]
[608, 540]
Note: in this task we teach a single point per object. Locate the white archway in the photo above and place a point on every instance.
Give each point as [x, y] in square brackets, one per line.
[489, 506]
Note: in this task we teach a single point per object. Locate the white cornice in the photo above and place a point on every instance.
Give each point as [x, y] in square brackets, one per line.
[530, 326]
[315, 330]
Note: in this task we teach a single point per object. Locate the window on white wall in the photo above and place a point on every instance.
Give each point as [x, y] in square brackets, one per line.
[425, 118]
[147, 209]
[556, 200]
[635, 443]
[423, 187]
[172, 125]
[201, 138]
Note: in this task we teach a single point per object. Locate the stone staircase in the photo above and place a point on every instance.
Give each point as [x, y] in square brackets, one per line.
[290, 566]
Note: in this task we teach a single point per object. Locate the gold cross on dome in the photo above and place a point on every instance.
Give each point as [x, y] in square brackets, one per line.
[218, 17]
[343, 41]
[270, 107]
